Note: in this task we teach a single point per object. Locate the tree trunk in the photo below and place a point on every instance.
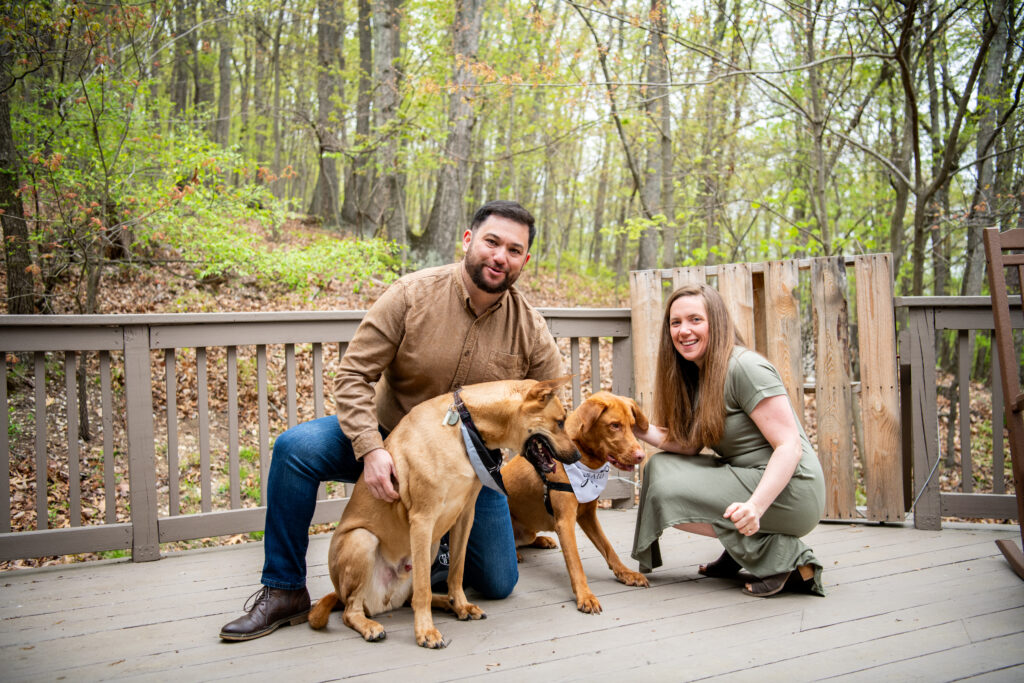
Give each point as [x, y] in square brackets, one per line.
[17, 255]
[982, 213]
[437, 243]
[330, 59]
[222, 127]
[359, 176]
[180, 71]
[708, 192]
[656, 94]
[599, 202]
[202, 67]
[275, 114]
[816, 124]
[388, 207]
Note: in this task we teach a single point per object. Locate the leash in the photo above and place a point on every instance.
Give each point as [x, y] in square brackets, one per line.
[485, 461]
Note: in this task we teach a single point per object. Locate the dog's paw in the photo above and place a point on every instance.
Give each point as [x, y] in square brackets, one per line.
[631, 578]
[470, 611]
[545, 542]
[374, 634]
[432, 639]
[589, 604]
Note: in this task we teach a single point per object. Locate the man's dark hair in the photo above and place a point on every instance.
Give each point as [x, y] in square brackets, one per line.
[505, 208]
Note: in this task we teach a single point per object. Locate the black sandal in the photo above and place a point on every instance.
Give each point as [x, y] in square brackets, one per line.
[772, 585]
[725, 567]
[767, 587]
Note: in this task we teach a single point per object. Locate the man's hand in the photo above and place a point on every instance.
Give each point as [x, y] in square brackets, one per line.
[379, 473]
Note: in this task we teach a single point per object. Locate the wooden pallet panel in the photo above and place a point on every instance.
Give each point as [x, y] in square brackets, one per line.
[782, 328]
[833, 402]
[880, 405]
[693, 275]
[646, 313]
[734, 284]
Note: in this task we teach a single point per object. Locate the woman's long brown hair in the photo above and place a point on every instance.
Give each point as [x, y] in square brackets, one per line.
[690, 401]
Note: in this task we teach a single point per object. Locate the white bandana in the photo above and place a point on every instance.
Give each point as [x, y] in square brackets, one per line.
[587, 484]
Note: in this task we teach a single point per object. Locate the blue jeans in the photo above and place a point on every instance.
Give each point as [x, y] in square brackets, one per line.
[317, 451]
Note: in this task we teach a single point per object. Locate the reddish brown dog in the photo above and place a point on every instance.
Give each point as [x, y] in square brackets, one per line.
[601, 429]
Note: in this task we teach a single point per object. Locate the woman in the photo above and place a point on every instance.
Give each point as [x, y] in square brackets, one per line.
[763, 489]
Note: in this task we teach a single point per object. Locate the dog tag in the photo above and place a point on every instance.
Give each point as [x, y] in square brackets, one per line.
[451, 417]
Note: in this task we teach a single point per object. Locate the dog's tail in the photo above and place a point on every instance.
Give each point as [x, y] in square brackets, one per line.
[322, 610]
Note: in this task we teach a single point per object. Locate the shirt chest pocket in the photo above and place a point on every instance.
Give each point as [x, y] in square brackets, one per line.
[502, 365]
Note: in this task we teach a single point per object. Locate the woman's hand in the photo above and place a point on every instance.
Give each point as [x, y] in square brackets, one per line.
[658, 437]
[746, 516]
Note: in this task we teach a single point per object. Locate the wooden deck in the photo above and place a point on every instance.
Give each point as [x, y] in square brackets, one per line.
[903, 604]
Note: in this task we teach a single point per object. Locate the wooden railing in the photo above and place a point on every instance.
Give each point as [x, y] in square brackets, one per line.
[167, 385]
[927, 319]
[183, 410]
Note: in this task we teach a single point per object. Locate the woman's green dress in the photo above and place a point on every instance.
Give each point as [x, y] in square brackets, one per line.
[681, 489]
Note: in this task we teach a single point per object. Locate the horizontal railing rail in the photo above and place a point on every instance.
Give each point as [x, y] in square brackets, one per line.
[927, 318]
[214, 388]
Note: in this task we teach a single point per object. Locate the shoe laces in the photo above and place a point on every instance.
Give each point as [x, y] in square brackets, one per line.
[256, 598]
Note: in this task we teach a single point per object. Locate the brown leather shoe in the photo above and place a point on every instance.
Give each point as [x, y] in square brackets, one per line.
[271, 607]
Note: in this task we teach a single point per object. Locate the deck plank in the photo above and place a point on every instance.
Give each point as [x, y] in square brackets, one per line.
[902, 604]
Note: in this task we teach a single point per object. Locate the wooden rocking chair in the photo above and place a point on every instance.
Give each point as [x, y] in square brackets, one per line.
[998, 251]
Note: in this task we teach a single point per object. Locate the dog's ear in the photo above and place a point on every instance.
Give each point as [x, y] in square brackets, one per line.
[544, 390]
[587, 414]
[638, 416]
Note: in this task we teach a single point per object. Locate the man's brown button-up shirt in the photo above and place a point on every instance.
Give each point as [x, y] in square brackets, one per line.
[422, 339]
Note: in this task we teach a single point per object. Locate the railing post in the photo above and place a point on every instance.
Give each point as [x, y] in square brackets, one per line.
[138, 394]
[924, 427]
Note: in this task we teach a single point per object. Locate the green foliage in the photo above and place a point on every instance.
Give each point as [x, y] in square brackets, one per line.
[14, 428]
[250, 455]
[205, 228]
[114, 554]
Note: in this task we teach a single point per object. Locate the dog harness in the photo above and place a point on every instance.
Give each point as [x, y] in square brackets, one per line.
[549, 485]
[486, 461]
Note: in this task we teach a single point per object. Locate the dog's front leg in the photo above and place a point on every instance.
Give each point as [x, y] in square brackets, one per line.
[588, 522]
[564, 506]
[458, 539]
[421, 528]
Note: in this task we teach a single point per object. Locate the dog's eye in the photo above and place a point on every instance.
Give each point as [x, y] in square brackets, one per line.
[616, 426]
[561, 424]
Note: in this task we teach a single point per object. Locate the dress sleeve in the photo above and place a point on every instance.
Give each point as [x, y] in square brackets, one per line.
[752, 379]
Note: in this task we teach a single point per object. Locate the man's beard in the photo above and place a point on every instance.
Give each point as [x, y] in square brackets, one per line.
[476, 274]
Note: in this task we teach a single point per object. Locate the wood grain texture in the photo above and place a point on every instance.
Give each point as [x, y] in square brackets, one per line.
[782, 329]
[876, 338]
[910, 603]
[646, 309]
[832, 381]
[734, 284]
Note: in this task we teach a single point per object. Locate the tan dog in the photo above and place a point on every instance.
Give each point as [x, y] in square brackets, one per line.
[381, 552]
[601, 430]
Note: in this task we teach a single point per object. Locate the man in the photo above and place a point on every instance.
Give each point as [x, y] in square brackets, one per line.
[431, 332]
